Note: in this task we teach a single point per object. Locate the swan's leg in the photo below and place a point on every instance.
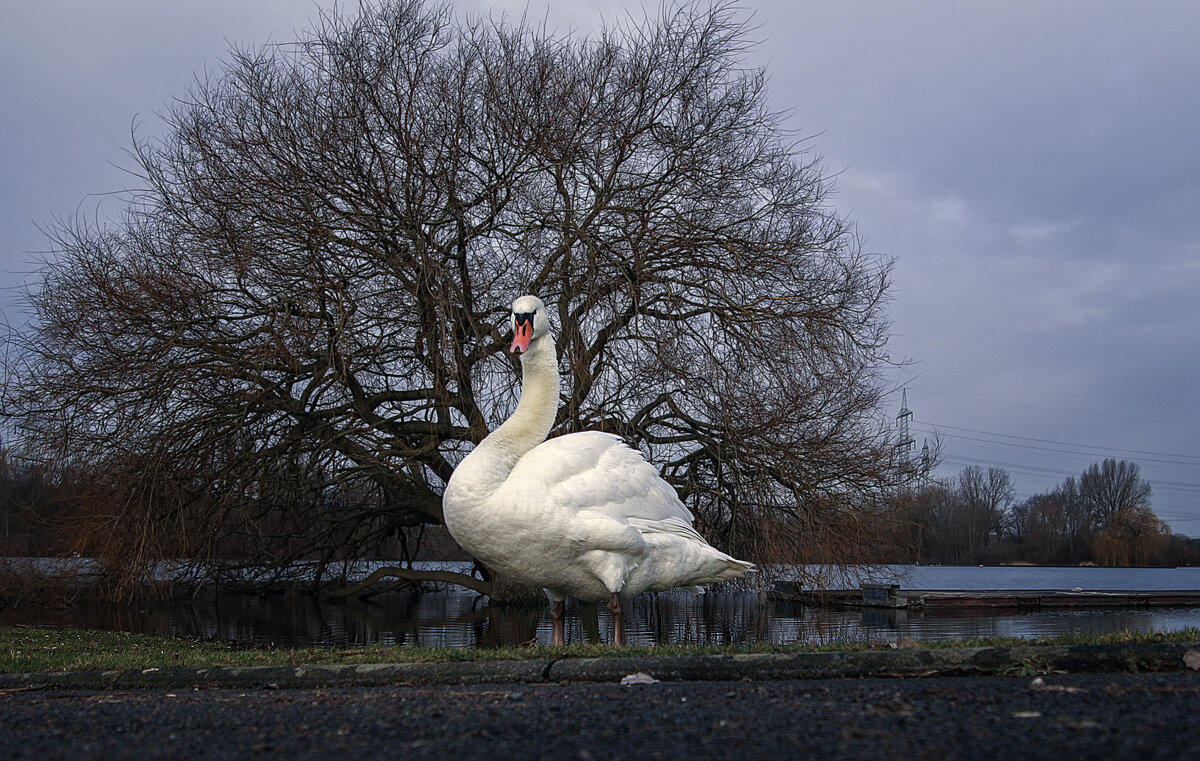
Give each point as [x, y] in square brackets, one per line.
[618, 617]
[557, 623]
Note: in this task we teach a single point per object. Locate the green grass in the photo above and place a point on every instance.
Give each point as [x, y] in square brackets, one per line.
[25, 649]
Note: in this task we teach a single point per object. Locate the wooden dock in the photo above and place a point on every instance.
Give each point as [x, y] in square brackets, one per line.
[948, 600]
[1037, 599]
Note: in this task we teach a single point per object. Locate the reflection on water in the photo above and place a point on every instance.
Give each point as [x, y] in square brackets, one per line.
[447, 619]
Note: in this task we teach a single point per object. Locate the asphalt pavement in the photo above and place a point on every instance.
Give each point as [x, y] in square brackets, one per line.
[1078, 716]
[1117, 702]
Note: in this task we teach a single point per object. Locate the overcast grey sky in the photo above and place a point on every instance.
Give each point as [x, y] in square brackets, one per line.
[1033, 167]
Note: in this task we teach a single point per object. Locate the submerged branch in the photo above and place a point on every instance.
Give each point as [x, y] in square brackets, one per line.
[412, 574]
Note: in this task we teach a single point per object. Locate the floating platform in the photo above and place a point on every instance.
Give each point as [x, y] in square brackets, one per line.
[892, 596]
[1053, 598]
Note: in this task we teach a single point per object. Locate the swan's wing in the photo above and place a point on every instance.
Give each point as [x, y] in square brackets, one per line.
[597, 473]
[671, 525]
[626, 524]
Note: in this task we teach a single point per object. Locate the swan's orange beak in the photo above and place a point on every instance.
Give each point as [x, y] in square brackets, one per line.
[522, 335]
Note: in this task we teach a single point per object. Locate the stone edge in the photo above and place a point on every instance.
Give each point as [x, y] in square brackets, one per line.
[1022, 660]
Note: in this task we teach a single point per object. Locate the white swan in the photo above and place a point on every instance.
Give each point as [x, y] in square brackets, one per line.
[580, 515]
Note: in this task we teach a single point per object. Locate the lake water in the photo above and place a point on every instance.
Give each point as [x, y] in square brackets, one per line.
[458, 619]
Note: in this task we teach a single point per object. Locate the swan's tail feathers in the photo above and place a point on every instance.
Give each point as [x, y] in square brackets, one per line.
[720, 568]
[735, 569]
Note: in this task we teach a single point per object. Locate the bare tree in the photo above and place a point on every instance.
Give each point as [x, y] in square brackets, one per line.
[1112, 486]
[293, 334]
[1117, 500]
[1046, 531]
[984, 496]
[918, 521]
[1103, 515]
[955, 520]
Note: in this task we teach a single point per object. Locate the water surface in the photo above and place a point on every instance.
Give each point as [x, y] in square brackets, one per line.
[458, 619]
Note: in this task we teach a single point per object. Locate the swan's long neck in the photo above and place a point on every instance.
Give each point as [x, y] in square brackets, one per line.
[531, 422]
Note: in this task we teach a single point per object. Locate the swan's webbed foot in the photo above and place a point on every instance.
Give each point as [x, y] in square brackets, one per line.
[618, 617]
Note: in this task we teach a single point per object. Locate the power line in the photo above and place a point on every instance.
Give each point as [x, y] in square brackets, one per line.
[1195, 458]
[1042, 451]
[1059, 409]
[1181, 462]
[1034, 470]
[1029, 470]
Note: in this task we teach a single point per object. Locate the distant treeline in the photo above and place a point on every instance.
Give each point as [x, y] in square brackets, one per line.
[1103, 517]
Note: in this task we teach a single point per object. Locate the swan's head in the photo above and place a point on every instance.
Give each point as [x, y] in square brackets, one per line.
[529, 322]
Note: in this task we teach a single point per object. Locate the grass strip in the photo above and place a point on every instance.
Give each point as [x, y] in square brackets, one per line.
[29, 649]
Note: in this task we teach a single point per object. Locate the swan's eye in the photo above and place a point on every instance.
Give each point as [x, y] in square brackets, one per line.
[522, 318]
